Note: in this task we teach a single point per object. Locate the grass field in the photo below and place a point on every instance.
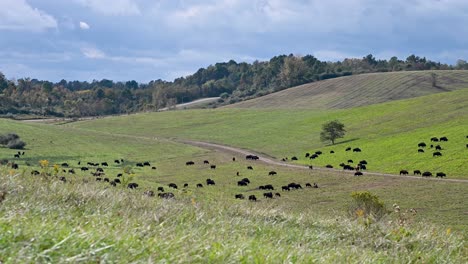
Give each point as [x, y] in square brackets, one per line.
[360, 90]
[388, 133]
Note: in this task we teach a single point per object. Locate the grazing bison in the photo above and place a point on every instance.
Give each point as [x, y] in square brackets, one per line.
[308, 185]
[443, 139]
[434, 139]
[285, 188]
[104, 164]
[329, 166]
[278, 194]
[271, 173]
[441, 174]
[117, 161]
[437, 153]
[362, 167]
[294, 186]
[426, 174]
[268, 195]
[251, 157]
[14, 166]
[84, 168]
[189, 163]
[249, 167]
[252, 198]
[98, 179]
[363, 162]
[421, 150]
[350, 161]
[213, 167]
[422, 145]
[160, 189]
[318, 152]
[294, 158]
[113, 183]
[358, 173]
[132, 185]
[239, 196]
[311, 167]
[149, 193]
[172, 185]
[106, 180]
[185, 185]
[331, 151]
[348, 149]
[210, 182]
[206, 162]
[153, 168]
[139, 164]
[348, 167]
[166, 195]
[416, 172]
[269, 187]
[242, 183]
[99, 170]
[313, 156]
[63, 179]
[438, 147]
[199, 185]
[146, 163]
[35, 172]
[357, 150]
[117, 181]
[307, 154]
[119, 175]
[16, 155]
[65, 165]
[246, 180]
[261, 187]
[403, 172]
[71, 171]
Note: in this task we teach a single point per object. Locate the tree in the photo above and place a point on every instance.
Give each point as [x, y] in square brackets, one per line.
[332, 130]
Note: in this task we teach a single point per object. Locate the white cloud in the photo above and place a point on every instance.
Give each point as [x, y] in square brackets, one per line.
[17, 15]
[93, 53]
[112, 7]
[84, 25]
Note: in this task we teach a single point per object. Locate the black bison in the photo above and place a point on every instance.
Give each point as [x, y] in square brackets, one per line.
[421, 150]
[35, 172]
[357, 150]
[160, 189]
[153, 168]
[252, 198]
[268, 195]
[99, 170]
[172, 185]
[438, 147]
[119, 175]
[426, 174]
[132, 185]
[294, 158]
[318, 152]
[278, 194]
[261, 187]
[403, 172]
[311, 167]
[98, 179]
[437, 153]
[308, 185]
[210, 182]
[362, 167]
[441, 174]
[329, 166]
[213, 167]
[14, 166]
[233, 158]
[350, 161]
[443, 139]
[422, 145]
[199, 185]
[285, 188]
[331, 151]
[185, 185]
[363, 162]
[113, 183]
[239, 196]
[117, 181]
[206, 162]
[313, 156]
[104, 164]
[64, 164]
[249, 167]
[189, 163]
[139, 164]
[117, 161]
[242, 183]
[416, 172]
[246, 180]
[63, 179]
[307, 154]
[269, 187]
[348, 167]
[84, 168]
[358, 173]
[146, 163]
[106, 180]
[434, 139]
[168, 195]
[294, 186]
[149, 193]
[252, 157]
[271, 173]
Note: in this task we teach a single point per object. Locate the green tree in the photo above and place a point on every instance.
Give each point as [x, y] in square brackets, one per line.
[332, 130]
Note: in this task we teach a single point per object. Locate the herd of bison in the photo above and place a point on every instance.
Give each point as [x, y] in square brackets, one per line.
[96, 169]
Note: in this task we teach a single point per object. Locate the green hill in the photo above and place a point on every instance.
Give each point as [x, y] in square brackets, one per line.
[361, 90]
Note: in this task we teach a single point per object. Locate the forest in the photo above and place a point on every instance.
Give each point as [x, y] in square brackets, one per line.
[231, 81]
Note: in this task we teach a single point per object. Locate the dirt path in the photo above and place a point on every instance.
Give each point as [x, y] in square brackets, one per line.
[199, 101]
[269, 160]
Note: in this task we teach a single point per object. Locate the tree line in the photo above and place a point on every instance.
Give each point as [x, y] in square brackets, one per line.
[231, 81]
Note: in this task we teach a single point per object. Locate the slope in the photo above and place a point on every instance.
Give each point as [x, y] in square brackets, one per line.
[361, 90]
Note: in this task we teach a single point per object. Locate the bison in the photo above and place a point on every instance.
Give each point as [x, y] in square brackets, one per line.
[426, 174]
[403, 172]
[443, 139]
[189, 163]
[285, 188]
[252, 198]
[249, 167]
[416, 172]
[160, 189]
[348, 149]
[434, 139]
[166, 195]
[239, 196]
[206, 162]
[308, 185]
[199, 185]
[331, 151]
[420, 150]
[357, 150]
[294, 158]
[329, 166]
[422, 145]
[149, 193]
[242, 183]
[210, 182]
[358, 173]
[213, 167]
[437, 153]
[441, 174]
[271, 173]
[172, 185]
[268, 195]
[438, 147]
[246, 180]
[132, 185]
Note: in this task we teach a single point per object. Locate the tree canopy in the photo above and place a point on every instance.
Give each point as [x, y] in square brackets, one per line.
[332, 131]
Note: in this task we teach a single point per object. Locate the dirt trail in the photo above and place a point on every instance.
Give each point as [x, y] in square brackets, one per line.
[269, 160]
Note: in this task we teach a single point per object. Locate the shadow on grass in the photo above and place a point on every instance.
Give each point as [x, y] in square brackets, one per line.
[342, 142]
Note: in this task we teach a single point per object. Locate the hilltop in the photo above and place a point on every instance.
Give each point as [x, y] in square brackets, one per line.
[360, 90]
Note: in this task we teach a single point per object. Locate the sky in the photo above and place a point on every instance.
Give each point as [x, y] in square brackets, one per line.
[146, 40]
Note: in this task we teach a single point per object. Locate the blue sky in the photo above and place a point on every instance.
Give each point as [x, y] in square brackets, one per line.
[146, 40]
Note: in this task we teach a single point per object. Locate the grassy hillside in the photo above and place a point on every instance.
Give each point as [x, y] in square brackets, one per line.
[360, 90]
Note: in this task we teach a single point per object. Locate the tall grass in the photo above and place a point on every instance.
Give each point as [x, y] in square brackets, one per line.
[46, 220]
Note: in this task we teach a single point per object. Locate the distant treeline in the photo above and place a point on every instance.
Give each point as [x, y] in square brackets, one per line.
[231, 81]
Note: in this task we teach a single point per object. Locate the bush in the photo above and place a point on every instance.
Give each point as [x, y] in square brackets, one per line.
[16, 144]
[4, 139]
[367, 205]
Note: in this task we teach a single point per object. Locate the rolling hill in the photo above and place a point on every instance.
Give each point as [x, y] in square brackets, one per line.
[360, 90]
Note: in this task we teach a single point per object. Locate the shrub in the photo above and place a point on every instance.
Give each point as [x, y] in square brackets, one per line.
[4, 139]
[367, 205]
[16, 144]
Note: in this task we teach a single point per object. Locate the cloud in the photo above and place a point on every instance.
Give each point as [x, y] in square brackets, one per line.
[17, 15]
[93, 53]
[84, 25]
[112, 7]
